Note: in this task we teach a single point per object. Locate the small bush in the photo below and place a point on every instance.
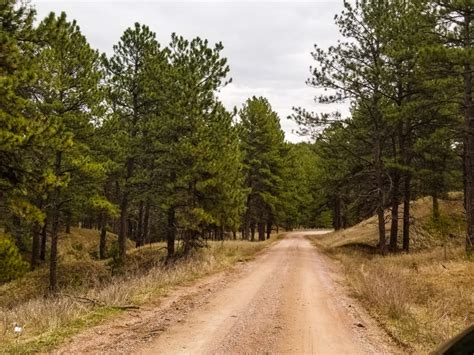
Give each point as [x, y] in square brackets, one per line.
[12, 265]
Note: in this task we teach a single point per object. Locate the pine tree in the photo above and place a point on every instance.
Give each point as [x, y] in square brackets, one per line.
[354, 70]
[296, 203]
[67, 95]
[197, 71]
[453, 60]
[22, 134]
[129, 71]
[263, 145]
[408, 29]
[16, 132]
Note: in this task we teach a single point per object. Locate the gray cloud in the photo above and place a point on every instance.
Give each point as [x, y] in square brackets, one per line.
[268, 44]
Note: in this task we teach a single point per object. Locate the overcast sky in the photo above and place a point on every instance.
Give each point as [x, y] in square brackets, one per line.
[268, 44]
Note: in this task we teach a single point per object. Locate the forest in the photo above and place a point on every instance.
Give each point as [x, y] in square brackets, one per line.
[136, 144]
[406, 69]
[135, 149]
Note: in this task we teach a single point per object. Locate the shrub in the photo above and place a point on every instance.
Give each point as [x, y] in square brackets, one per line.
[12, 264]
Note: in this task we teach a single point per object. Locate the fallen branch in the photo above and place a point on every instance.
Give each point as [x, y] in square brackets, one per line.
[124, 307]
[96, 302]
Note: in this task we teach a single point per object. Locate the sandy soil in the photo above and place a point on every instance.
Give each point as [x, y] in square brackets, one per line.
[290, 299]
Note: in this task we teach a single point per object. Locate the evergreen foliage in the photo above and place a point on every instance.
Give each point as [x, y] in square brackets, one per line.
[404, 66]
[139, 144]
[263, 146]
[12, 264]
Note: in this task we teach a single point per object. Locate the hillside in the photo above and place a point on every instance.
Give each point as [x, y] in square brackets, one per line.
[80, 267]
[425, 233]
[422, 298]
[83, 243]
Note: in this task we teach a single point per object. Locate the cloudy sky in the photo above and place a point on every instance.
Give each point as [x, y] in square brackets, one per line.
[267, 44]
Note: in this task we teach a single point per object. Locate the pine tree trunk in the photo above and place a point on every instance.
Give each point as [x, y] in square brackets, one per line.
[44, 236]
[269, 228]
[170, 231]
[55, 215]
[395, 202]
[261, 231]
[406, 212]
[122, 237]
[469, 142]
[146, 222]
[103, 243]
[337, 224]
[139, 236]
[252, 231]
[380, 196]
[103, 237]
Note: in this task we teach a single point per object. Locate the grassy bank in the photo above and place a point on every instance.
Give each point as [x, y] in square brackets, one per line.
[422, 298]
[47, 322]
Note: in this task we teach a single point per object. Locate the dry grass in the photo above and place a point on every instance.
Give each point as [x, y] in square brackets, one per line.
[423, 298]
[83, 243]
[423, 235]
[48, 321]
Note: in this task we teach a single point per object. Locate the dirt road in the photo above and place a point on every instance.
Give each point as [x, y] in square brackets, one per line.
[289, 300]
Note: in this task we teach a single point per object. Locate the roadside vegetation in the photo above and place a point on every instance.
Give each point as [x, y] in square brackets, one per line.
[123, 175]
[91, 292]
[386, 169]
[422, 298]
